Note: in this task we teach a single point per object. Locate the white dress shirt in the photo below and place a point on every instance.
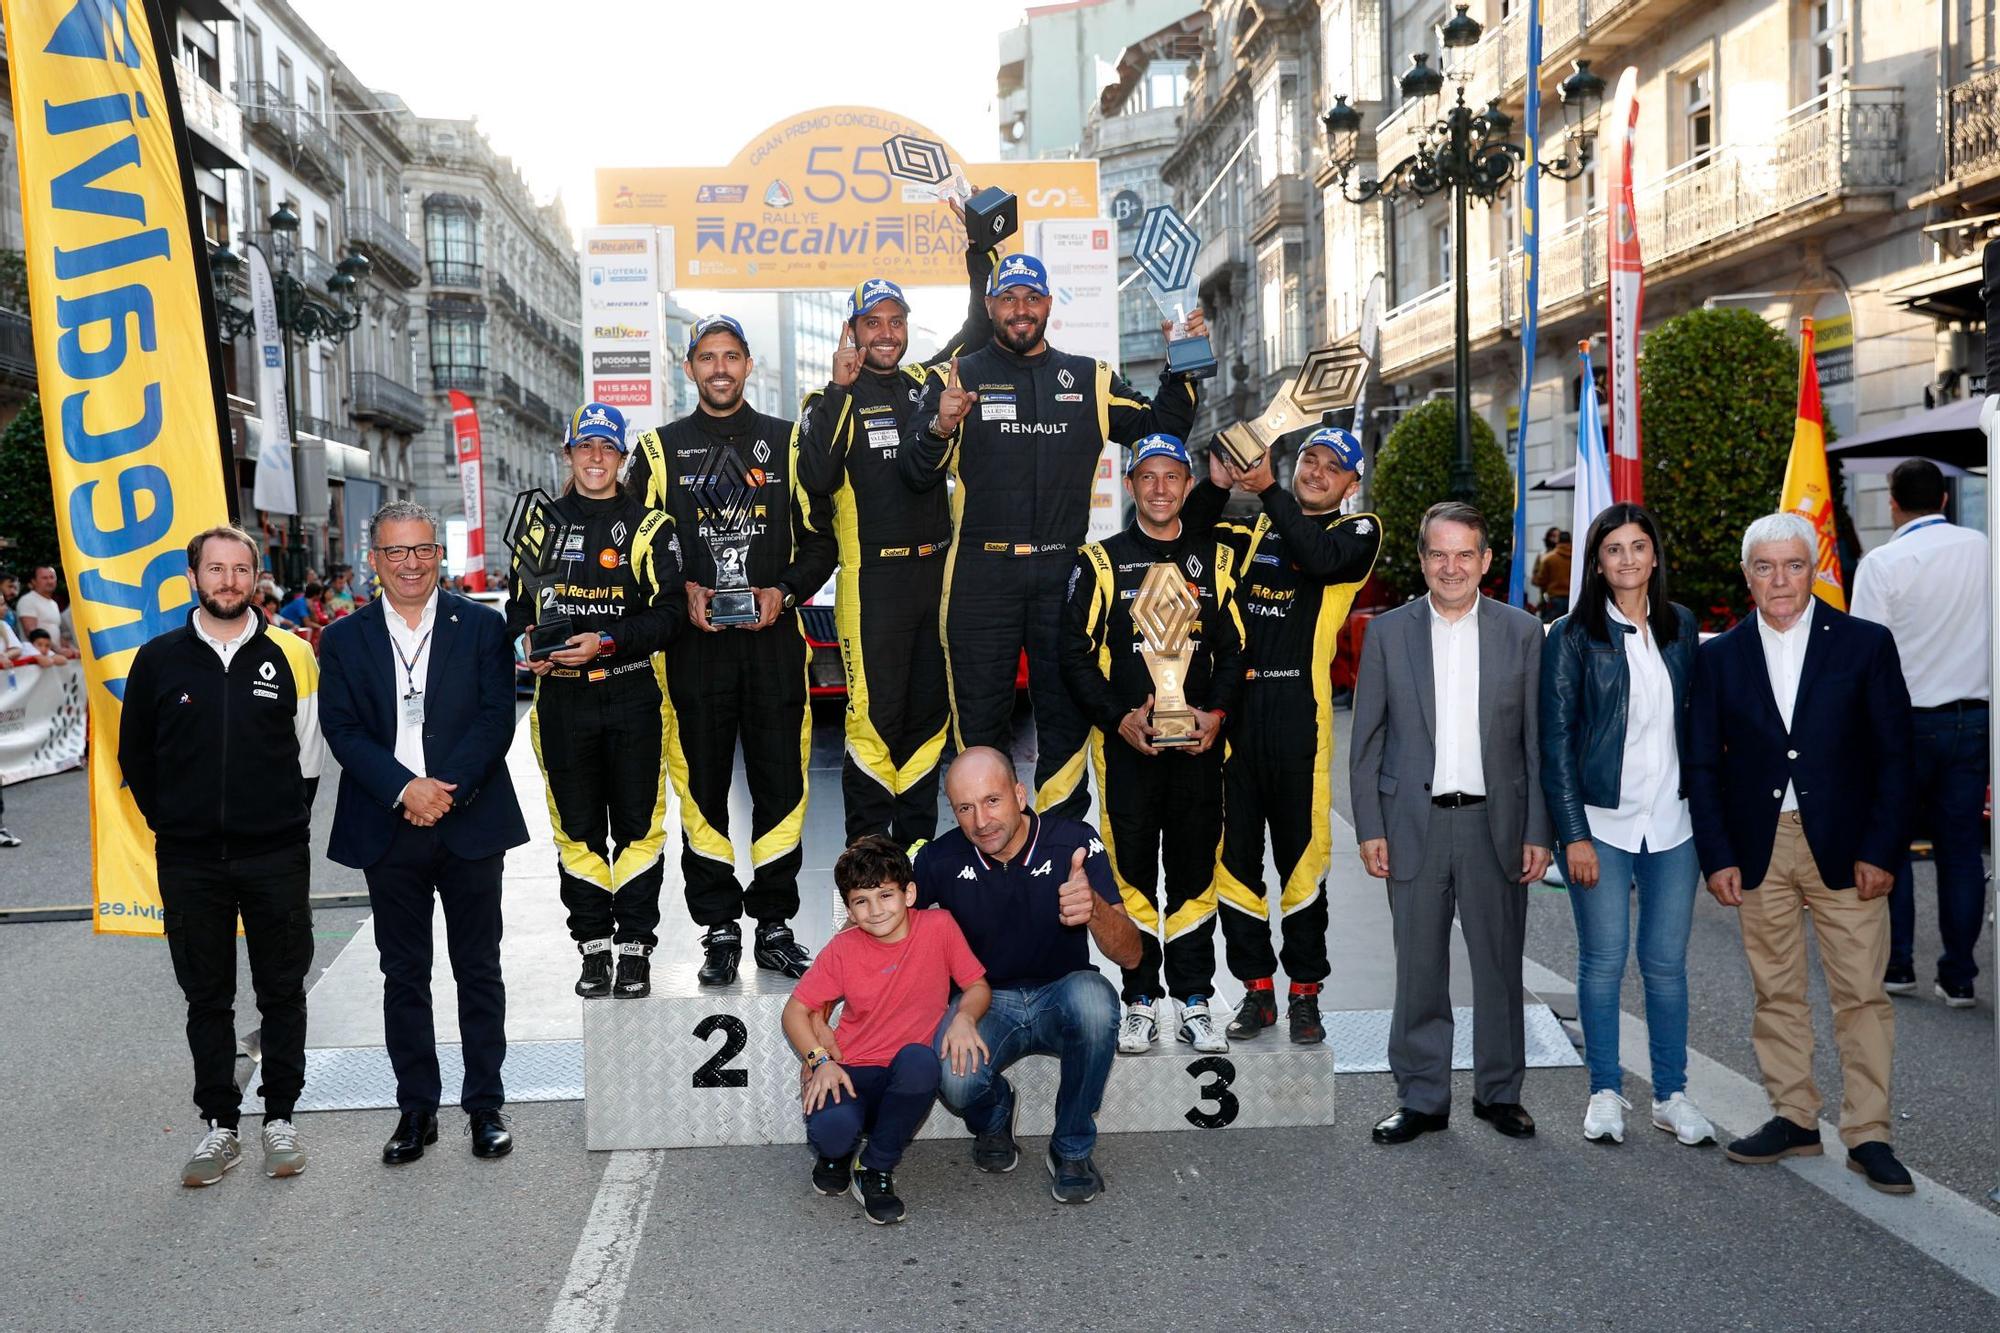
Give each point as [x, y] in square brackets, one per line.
[224, 650]
[1455, 690]
[1784, 659]
[1651, 816]
[411, 646]
[1929, 584]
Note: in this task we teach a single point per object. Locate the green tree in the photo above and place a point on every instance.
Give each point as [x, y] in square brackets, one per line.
[27, 502]
[1413, 472]
[1718, 390]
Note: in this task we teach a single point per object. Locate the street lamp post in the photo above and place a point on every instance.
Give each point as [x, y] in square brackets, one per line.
[301, 315]
[1471, 155]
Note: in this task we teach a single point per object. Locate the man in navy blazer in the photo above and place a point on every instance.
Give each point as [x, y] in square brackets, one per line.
[1797, 774]
[417, 705]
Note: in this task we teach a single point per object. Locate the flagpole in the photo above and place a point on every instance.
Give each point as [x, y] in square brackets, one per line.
[1531, 246]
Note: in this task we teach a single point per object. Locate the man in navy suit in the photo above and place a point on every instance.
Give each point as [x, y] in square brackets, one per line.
[1797, 777]
[417, 704]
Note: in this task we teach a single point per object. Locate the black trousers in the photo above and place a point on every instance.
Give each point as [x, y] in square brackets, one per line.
[994, 607]
[726, 687]
[400, 887]
[202, 901]
[1163, 809]
[898, 707]
[1278, 774]
[602, 762]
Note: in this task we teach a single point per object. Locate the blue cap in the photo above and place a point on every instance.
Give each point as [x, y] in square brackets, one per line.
[596, 421]
[1346, 449]
[1020, 271]
[1159, 446]
[872, 293]
[708, 324]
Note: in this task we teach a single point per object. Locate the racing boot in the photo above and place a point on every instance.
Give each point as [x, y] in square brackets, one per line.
[595, 983]
[1302, 1014]
[722, 951]
[635, 980]
[1258, 1011]
[777, 951]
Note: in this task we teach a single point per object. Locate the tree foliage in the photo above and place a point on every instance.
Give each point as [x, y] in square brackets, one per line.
[27, 502]
[1413, 472]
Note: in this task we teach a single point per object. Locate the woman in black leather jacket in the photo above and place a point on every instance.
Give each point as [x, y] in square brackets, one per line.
[1613, 715]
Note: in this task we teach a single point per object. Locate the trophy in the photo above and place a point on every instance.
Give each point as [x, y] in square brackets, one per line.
[1331, 378]
[727, 496]
[1165, 251]
[1164, 611]
[541, 544]
[991, 214]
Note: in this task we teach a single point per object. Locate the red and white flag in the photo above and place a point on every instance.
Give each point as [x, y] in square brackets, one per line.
[465, 432]
[1628, 277]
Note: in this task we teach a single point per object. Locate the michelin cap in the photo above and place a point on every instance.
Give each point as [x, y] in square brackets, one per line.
[1020, 271]
[708, 324]
[1159, 446]
[1345, 448]
[872, 293]
[596, 421]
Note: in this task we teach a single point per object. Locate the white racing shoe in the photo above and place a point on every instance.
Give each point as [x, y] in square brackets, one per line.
[1684, 1120]
[1140, 1029]
[1604, 1118]
[1197, 1028]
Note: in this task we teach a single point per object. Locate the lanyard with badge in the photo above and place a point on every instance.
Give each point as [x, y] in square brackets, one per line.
[413, 698]
[1930, 522]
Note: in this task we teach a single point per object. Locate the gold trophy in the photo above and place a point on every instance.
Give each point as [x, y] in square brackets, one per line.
[1331, 378]
[1165, 610]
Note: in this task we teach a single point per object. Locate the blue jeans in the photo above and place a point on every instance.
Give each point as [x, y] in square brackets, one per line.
[1074, 1019]
[1948, 801]
[888, 1104]
[1666, 883]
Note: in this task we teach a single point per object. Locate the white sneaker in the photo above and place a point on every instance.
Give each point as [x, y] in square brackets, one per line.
[1140, 1029]
[1604, 1118]
[1198, 1030]
[283, 1154]
[1684, 1120]
[218, 1151]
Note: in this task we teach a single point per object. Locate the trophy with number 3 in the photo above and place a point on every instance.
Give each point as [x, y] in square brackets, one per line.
[1165, 611]
[1331, 378]
[991, 214]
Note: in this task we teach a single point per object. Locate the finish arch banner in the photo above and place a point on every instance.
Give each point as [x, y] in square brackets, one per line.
[123, 321]
[41, 720]
[809, 204]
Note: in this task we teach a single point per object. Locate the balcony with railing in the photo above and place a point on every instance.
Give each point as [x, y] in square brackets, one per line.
[385, 243]
[457, 273]
[215, 123]
[296, 134]
[537, 409]
[1972, 138]
[1285, 202]
[17, 350]
[388, 402]
[506, 389]
[458, 375]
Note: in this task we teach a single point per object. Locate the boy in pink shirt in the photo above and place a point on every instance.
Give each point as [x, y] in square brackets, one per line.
[893, 969]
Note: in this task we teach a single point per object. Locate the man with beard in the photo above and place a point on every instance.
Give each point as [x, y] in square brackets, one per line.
[892, 551]
[219, 741]
[745, 683]
[1020, 427]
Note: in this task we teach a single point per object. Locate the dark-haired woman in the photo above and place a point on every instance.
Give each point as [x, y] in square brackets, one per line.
[1614, 700]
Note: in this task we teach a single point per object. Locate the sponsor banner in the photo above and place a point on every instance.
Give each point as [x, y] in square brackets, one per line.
[621, 363]
[275, 492]
[465, 436]
[41, 720]
[1082, 259]
[1628, 277]
[623, 393]
[624, 270]
[123, 325]
[809, 204]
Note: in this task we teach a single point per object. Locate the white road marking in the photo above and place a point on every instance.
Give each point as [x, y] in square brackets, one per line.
[602, 1265]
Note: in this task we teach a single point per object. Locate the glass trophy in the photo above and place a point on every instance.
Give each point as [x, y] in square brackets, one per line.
[728, 504]
[541, 544]
[991, 214]
[1165, 252]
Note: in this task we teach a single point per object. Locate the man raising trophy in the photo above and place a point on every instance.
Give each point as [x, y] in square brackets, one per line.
[1020, 426]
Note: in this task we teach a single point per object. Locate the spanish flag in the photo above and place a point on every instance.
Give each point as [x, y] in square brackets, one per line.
[1807, 492]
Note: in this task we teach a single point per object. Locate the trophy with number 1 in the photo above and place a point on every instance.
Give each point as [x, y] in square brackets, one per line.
[1165, 252]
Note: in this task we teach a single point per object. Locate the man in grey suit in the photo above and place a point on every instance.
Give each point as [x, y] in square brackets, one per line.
[1446, 774]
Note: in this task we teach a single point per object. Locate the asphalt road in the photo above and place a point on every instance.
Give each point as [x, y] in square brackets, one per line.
[1308, 1228]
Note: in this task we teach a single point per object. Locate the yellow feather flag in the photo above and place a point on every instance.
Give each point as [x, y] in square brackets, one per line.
[1807, 492]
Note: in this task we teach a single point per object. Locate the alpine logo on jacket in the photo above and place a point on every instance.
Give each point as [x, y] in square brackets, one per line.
[1045, 868]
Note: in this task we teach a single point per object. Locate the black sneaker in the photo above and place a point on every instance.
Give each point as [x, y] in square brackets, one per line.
[877, 1192]
[997, 1153]
[1073, 1180]
[1258, 1011]
[832, 1175]
[1778, 1139]
[595, 983]
[722, 950]
[777, 951]
[1899, 980]
[1303, 1016]
[635, 972]
[1877, 1161]
[1956, 997]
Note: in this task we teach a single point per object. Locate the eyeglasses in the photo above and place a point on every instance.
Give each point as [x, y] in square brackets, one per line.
[422, 551]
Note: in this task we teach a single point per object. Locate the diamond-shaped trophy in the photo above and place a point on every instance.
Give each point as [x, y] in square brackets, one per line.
[1330, 379]
[727, 495]
[1165, 250]
[991, 214]
[541, 543]
[1165, 610]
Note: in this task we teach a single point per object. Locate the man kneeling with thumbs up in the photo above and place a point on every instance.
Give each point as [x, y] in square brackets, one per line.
[1030, 892]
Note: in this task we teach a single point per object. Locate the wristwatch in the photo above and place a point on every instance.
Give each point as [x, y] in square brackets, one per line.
[934, 431]
[791, 599]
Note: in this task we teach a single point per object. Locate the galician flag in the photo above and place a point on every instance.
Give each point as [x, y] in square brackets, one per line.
[1593, 473]
[1807, 492]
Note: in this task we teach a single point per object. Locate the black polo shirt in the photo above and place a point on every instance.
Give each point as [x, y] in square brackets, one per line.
[1009, 909]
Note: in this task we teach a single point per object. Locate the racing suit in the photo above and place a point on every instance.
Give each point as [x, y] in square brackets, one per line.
[597, 727]
[1298, 574]
[892, 544]
[740, 684]
[1171, 801]
[1023, 462]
